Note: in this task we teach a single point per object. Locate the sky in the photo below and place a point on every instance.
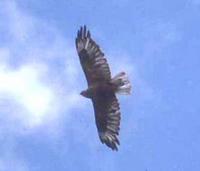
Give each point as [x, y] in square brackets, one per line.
[45, 125]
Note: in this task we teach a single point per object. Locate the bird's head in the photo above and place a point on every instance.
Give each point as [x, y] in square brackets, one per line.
[84, 93]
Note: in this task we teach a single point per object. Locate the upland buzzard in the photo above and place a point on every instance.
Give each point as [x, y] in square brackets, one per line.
[102, 88]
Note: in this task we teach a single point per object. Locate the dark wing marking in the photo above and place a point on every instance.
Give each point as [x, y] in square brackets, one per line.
[107, 116]
[92, 59]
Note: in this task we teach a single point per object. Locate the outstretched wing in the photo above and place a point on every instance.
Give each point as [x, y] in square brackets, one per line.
[107, 116]
[92, 59]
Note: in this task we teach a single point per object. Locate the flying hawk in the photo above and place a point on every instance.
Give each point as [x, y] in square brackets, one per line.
[102, 88]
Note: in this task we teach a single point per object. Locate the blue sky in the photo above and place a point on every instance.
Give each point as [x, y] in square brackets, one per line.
[46, 126]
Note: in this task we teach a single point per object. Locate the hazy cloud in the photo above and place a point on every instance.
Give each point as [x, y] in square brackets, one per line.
[32, 71]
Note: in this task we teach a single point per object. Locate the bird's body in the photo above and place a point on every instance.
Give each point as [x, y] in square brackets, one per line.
[102, 88]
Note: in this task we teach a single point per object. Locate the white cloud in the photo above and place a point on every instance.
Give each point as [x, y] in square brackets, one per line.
[38, 71]
[38, 81]
[24, 86]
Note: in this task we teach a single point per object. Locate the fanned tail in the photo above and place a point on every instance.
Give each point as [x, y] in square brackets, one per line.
[122, 83]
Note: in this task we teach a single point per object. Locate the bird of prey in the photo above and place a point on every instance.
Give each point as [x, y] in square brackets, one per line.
[102, 88]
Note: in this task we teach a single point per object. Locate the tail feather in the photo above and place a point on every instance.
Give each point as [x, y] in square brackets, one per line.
[122, 83]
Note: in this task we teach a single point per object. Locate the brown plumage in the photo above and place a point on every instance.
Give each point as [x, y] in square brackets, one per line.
[101, 88]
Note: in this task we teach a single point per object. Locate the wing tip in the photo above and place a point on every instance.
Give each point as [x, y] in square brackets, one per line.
[83, 32]
[110, 140]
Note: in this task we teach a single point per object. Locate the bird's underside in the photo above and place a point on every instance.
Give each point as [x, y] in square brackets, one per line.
[102, 88]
